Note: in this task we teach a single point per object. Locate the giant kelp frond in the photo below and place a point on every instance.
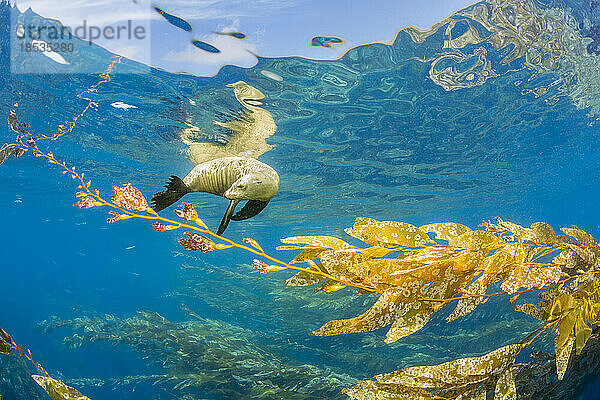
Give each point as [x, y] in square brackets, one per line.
[465, 378]
[204, 356]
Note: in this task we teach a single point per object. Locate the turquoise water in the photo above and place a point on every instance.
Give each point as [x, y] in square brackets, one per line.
[373, 134]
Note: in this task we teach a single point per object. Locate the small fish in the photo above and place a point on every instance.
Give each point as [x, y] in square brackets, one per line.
[271, 75]
[174, 20]
[237, 35]
[130, 247]
[120, 104]
[205, 46]
[325, 41]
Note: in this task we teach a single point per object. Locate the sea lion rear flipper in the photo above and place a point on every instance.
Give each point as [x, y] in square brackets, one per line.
[176, 189]
[227, 216]
[250, 209]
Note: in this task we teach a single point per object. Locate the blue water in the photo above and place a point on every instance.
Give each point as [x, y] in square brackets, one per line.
[367, 135]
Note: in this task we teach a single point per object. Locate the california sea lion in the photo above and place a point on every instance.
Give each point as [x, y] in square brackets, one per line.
[235, 178]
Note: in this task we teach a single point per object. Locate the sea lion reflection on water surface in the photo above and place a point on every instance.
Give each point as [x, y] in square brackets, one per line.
[230, 171]
[235, 178]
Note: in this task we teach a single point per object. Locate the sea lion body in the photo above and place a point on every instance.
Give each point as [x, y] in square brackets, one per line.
[234, 178]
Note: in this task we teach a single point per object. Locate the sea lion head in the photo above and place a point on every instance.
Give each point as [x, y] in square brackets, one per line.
[261, 185]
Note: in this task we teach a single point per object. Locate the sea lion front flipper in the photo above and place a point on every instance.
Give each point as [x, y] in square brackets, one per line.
[176, 189]
[250, 209]
[227, 216]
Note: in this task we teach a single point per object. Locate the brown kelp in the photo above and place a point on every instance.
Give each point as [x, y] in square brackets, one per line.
[203, 356]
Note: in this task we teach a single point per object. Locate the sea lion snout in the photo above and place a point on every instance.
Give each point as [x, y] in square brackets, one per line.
[254, 186]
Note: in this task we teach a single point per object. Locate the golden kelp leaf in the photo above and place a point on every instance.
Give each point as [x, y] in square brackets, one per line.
[428, 254]
[565, 328]
[5, 151]
[505, 259]
[382, 313]
[339, 264]
[532, 311]
[468, 261]
[401, 305]
[521, 233]
[475, 240]
[477, 287]
[445, 230]
[130, 198]
[6, 342]
[114, 217]
[410, 322]
[505, 387]
[563, 354]
[375, 252]
[562, 304]
[582, 333]
[253, 243]
[291, 247]
[318, 241]
[569, 259]
[530, 276]
[57, 390]
[454, 373]
[303, 278]
[587, 256]
[544, 233]
[87, 202]
[581, 236]
[392, 271]
[387, 233]
[309, 253]
[370, 390]
[330, 286]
